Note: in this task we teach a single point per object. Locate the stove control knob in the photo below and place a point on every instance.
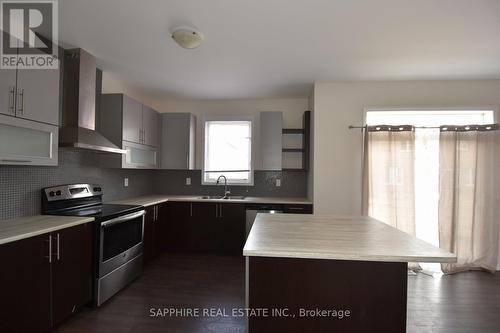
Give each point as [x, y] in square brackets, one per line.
[97, 189]
[51, 193]
[58, 192]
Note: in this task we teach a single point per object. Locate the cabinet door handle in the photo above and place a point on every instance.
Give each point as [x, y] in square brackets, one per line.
[12, 100]
[216, 210]
[58, 254]
[220, 213]
[21, 109]
[191, 210]
[50, 249]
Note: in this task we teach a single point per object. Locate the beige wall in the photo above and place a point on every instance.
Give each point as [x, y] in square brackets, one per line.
[111, 84]
[292, 108]
[337, 153]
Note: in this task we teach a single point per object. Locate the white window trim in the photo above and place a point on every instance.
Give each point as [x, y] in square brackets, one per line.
[496, 116]
[252, 147]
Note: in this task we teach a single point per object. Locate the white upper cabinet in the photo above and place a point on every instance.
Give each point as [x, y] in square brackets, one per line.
[177, 141]
[132, 118]
[271, 127]
[132, 126]
[24, 142]
[38, 95]
[7, 91]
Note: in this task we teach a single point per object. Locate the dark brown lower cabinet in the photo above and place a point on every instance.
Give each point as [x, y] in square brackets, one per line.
[149, 233]
[178, 226]
[37, 292]
[230, 228]
[210, 227]
[203, 222]
[155, 231]
[25, 286]
[71, 271]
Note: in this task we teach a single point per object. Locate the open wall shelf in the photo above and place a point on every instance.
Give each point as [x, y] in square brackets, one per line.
[298, 155]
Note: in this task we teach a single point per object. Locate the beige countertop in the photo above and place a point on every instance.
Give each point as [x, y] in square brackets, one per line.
[337, 238]
[149, 200]
[29, 226]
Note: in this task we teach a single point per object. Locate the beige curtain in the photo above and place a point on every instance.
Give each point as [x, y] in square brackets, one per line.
[389, 191]
[389, 177]
[469, 203]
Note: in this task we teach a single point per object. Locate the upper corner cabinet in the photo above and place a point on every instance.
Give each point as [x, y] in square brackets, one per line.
[132, 126]
[178, 141]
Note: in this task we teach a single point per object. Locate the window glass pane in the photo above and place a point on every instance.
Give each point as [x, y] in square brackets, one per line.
[429, 117]
[228, 150]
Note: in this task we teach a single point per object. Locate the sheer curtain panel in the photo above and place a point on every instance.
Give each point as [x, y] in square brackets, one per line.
[469, 204]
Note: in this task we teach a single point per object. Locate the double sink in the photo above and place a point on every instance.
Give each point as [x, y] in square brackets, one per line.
[219, 197]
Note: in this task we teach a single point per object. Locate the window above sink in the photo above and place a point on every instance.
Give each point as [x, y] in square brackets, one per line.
[228, 146]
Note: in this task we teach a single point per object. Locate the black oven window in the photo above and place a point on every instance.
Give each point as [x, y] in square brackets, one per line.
[120, 237]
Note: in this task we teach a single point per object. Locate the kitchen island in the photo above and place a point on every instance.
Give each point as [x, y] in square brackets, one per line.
[330, 273]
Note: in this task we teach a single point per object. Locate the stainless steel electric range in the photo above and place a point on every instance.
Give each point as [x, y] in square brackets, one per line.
[118, 234]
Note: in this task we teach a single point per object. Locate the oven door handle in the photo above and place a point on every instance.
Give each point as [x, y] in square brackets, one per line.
[122, 219]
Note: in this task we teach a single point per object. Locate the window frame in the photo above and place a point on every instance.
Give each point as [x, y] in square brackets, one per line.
[417, 109]
[253, 129]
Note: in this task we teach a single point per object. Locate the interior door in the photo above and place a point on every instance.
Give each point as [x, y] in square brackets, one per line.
[38, 95]
[7, 91]
[25, 285]
[71, 270]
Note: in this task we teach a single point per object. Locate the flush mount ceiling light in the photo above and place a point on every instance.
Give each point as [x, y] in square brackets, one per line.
[187, 38]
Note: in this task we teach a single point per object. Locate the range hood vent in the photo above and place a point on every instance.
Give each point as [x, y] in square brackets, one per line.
[79, 105]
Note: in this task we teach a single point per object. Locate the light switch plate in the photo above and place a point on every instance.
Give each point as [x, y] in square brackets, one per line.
[188, 181]
[278, 182]
[125, 182]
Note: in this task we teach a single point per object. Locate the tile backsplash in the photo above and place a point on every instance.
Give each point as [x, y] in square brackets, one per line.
[293, 184]
[20, 186]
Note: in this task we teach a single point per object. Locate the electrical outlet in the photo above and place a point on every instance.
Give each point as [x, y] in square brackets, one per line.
[125, 182]
[188, 181]
[278, 182]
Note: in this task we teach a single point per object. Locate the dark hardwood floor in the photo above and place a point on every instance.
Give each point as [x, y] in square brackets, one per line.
[467, 302]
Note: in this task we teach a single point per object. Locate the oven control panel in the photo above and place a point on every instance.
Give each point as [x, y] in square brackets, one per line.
[72, 191]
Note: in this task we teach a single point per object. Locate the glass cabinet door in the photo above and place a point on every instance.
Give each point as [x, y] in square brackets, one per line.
[139, 156]
[24, 142]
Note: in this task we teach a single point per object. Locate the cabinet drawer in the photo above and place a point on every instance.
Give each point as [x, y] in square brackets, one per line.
[297, 209]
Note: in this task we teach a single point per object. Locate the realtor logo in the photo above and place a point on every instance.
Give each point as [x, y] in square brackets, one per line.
[29, 35]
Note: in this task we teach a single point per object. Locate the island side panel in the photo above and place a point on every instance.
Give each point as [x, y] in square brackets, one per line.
[373, 292]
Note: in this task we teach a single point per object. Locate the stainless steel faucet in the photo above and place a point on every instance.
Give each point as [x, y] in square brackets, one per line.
[227, 193]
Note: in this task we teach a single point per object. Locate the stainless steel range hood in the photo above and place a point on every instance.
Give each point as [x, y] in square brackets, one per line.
[79, 105]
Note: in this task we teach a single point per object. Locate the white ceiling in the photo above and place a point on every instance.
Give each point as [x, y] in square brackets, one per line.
[278, 48]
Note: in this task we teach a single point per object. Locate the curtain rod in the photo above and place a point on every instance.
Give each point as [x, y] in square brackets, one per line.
[444, 127]
[364, 127]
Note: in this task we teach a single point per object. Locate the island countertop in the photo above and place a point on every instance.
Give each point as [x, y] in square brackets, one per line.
[358, 238]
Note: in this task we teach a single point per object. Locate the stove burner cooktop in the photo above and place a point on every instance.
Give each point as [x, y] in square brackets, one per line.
[101, 211]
